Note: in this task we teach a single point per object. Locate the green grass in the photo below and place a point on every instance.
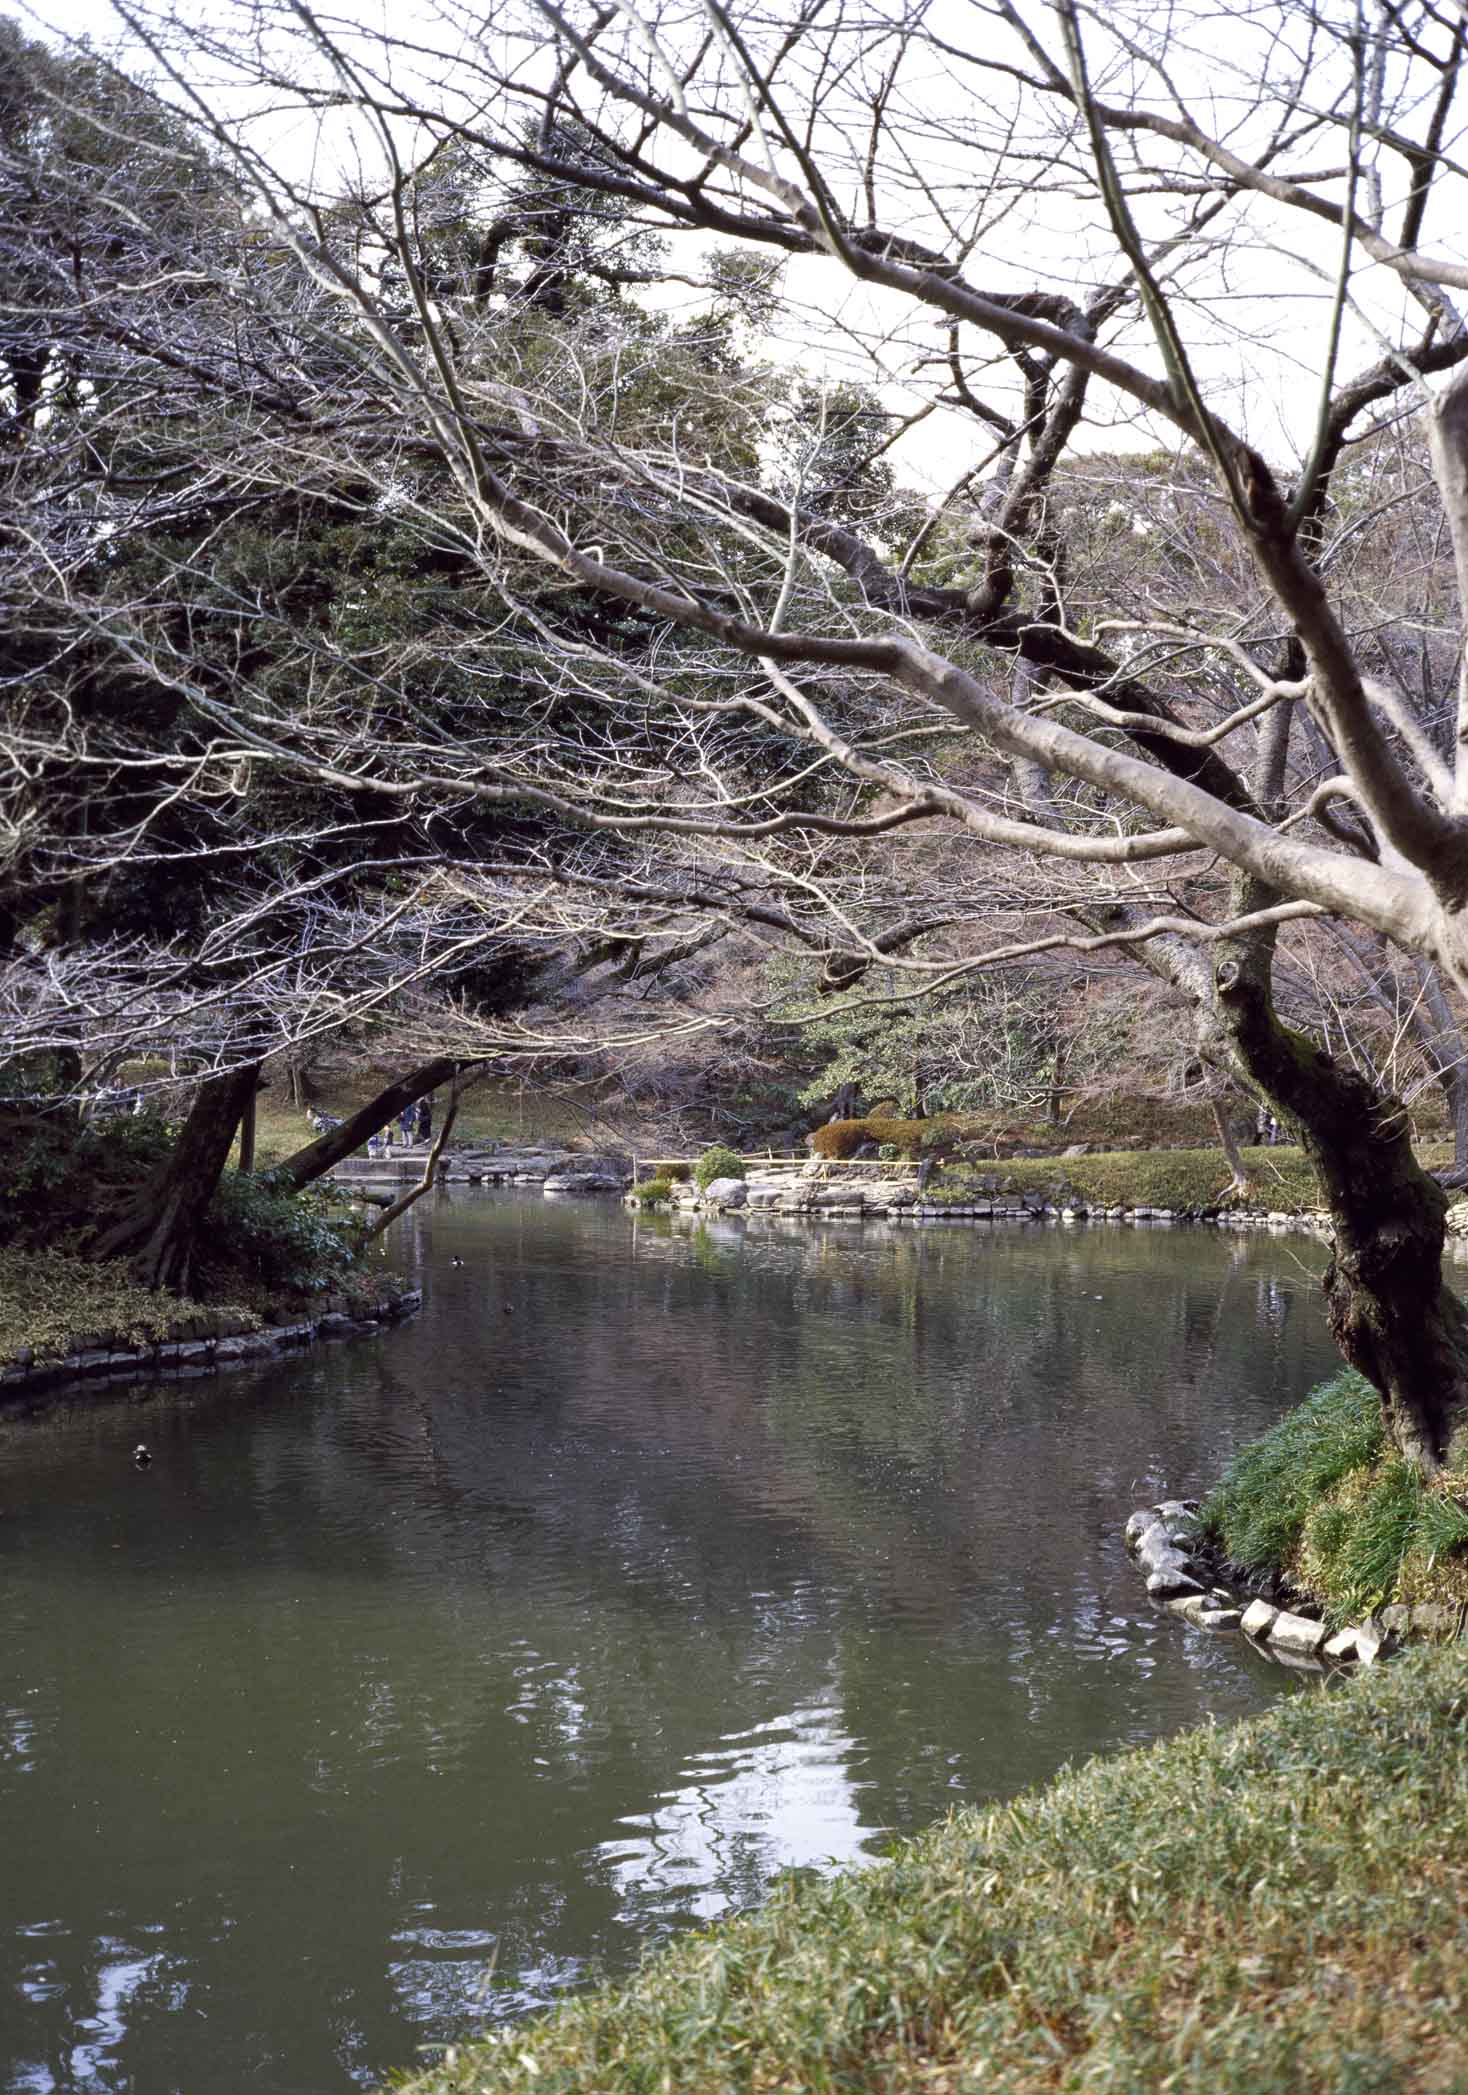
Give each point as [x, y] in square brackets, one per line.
[1324, 1498]
[1180, 1179]
[1281, 1905]
[1260, 1507]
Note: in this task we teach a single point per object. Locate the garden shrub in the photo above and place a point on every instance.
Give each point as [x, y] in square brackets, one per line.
[843, 1138]
[652, 1192]
[839, 1138]
[910, 1136]
[275, 1238]
[717, 1162]
[59, 1175]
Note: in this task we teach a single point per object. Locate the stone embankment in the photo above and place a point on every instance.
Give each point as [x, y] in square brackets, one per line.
[201, 1345]
[554, 1170]
[1168, 1547]
[893, 1192]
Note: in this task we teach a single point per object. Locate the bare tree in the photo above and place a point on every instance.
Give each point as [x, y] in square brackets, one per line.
[726, 691]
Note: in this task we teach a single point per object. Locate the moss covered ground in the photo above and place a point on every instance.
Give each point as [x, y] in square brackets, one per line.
[1280, 1905]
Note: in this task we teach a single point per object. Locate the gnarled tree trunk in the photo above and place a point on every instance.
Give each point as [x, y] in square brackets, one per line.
[1389, 1310]
[158, 1228]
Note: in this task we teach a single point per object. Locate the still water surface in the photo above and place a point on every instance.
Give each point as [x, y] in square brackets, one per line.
[424, 1676]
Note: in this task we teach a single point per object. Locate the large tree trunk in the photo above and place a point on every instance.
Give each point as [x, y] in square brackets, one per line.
[158, 1228]
[249, 1122]
[1388, 1308]
[1443, 1040]
[328, 1150]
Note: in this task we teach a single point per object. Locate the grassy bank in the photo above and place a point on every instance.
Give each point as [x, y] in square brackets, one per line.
[1323, 1498]
[1280, 1905]
[1180, 1179]
[487, 1113]
[52, 1304]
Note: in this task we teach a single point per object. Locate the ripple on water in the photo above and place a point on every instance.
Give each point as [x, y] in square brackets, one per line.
[775, 1796]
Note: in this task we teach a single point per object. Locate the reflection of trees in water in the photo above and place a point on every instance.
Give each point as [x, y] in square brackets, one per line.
[542, 1609]
[894, 1394]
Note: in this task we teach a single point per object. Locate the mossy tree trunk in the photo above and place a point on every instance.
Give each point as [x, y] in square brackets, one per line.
[1389, 1311]
[158, 1229]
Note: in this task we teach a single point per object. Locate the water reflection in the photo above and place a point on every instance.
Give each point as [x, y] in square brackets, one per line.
[775, 1797]
[424, 1677]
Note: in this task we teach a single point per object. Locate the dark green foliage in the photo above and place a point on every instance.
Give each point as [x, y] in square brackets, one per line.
[654, 1192]
[717, 1162]
[1259, 1509]
[58, 1178]
[274, 1239]
[59, 1182]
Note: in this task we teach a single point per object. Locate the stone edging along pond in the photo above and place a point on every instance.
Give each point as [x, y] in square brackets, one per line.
[209, 1343]
[1163, 1540]
[819, 1198]
[809, 1192]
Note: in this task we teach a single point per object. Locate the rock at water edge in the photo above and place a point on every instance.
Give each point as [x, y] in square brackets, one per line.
[725, 1193]
[1297, 1634]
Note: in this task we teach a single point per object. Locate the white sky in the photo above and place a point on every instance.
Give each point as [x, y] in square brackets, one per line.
[1262, 347]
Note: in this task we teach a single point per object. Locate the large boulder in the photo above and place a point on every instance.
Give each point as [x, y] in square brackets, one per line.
[588, 1175]
[725, 1193]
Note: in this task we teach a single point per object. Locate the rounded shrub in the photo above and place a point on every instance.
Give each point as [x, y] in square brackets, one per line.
[717, 1162]
[843, 1138]
[840, 1138]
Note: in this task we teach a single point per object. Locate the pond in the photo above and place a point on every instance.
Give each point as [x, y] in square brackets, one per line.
[424, 1676]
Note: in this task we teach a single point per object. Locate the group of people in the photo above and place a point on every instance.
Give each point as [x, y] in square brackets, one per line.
[413, 1124]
